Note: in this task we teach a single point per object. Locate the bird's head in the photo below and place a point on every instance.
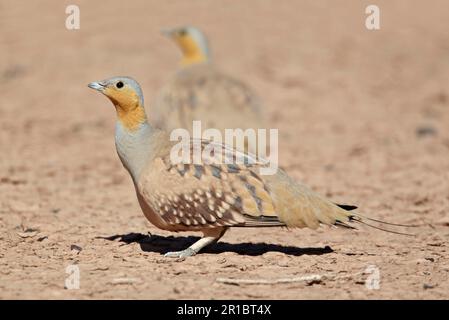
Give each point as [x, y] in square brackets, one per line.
[126, 95]
[192, 43]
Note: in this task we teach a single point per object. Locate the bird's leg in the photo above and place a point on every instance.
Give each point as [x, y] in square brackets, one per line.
[192, 250]
[210, 236]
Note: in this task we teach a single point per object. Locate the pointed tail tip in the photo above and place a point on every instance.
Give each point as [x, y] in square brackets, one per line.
[362, 220]
[358, 218]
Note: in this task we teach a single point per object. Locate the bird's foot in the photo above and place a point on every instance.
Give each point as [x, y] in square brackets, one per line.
[189, 252]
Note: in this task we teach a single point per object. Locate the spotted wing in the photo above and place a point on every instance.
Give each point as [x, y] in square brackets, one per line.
[209, 194]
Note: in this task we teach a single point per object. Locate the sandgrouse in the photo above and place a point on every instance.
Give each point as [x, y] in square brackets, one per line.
[211, 196]
[199, 91]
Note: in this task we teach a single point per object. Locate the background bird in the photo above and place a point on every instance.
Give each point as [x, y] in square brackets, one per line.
[199, 91]
[211, 196]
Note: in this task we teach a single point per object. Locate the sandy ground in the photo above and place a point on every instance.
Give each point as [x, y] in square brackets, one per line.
[363, 118]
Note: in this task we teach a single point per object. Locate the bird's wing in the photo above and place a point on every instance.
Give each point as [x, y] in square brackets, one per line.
[214, 193]
[209, 194]
[235, 93]
[202, 93]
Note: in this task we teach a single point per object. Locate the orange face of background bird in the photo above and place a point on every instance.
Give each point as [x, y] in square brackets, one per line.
[127, 98]
[192, 42]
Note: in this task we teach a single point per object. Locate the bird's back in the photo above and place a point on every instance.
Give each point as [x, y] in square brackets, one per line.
[201, 92]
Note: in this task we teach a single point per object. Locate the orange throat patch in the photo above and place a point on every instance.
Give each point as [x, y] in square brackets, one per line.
[191, 51]
[190, 59]
[130, 111]
[131, 119]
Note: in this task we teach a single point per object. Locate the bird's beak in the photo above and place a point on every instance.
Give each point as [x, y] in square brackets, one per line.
[99, 86]
[167, 33]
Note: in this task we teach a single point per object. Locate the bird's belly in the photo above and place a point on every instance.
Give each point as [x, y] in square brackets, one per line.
[153, 216]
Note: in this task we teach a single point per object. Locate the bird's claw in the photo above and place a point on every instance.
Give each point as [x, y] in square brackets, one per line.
[181, 254]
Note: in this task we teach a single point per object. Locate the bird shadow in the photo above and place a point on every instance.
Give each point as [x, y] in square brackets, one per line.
[161, 244]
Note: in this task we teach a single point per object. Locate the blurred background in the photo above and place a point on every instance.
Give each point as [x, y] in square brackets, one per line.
[363, 118]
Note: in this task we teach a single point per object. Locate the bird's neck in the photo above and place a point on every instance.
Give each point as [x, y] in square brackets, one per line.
[133, 140]
[193, 59]
[193, 55]
[131, 117]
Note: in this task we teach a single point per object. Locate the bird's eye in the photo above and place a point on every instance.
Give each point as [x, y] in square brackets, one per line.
[182, 33]
[119, 84]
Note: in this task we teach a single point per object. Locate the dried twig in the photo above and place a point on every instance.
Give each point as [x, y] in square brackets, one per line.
[310, 279]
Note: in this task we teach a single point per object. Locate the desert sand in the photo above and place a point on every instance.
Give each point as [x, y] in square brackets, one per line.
[363, 118]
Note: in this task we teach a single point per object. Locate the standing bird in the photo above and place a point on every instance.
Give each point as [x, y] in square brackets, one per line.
[198, 91]
[211, 196]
